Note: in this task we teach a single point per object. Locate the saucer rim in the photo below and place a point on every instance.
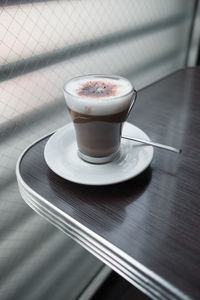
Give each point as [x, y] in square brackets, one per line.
[123, 179]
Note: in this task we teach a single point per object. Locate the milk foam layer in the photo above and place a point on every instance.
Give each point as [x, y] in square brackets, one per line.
[110, 103]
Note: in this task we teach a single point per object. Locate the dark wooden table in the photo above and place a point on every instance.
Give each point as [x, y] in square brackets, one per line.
[148, 228]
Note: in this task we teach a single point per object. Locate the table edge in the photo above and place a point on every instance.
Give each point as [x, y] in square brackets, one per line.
[133, 271]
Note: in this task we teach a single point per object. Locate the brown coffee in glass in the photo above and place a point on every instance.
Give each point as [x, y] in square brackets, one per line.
[99, 105]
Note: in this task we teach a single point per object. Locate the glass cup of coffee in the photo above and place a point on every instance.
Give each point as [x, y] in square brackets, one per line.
[99, 105]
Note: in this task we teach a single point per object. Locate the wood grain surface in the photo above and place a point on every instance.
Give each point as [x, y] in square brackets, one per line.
[155, 217]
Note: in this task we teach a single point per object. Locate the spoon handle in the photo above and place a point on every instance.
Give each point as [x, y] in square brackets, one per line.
[165, 147]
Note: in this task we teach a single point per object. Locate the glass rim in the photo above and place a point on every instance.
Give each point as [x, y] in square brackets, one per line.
[100, 75]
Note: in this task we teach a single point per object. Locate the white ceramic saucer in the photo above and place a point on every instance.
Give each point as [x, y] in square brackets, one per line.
[61, 156]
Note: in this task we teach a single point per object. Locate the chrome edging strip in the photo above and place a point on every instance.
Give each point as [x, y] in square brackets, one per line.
[92, 248]
[161, 285]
